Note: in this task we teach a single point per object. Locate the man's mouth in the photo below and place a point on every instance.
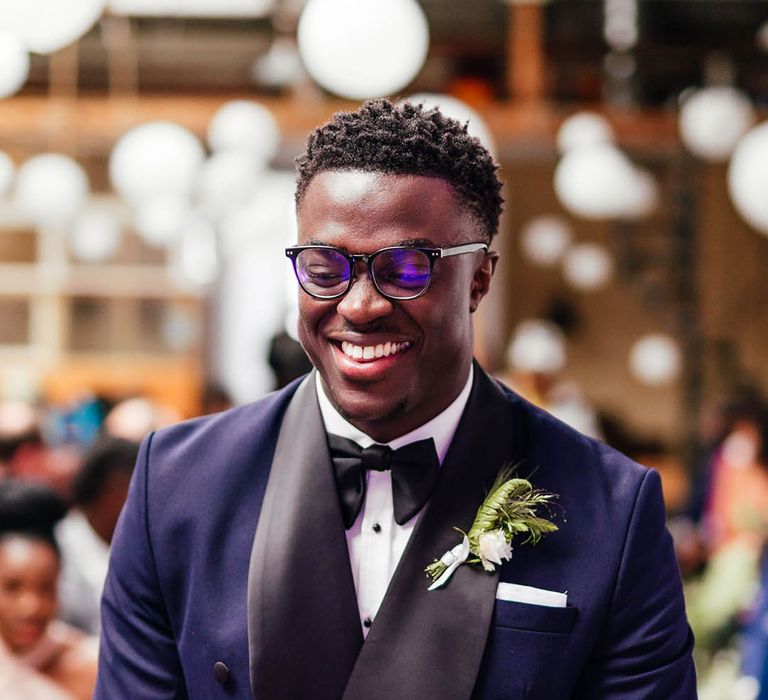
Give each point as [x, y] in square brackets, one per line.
[366, 353]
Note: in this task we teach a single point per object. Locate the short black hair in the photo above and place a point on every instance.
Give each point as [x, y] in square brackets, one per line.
[29, 509]
[108, 455]
[406, 139]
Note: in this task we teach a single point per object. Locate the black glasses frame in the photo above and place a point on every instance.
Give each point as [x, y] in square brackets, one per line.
[432, 254]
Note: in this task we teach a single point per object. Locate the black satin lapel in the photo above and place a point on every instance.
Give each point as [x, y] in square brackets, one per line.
[303, 626]
[429, 644]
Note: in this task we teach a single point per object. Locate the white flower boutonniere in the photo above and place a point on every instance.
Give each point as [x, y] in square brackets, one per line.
[510, 509]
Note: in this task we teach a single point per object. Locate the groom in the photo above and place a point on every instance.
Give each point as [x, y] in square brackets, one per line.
[277, 550]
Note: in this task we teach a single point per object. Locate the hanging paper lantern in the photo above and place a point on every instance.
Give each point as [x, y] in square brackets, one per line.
[588, 266]
[748, 177]
[14, 64]
[537, 346]
[51, 189]
[95, 234]
[655, 359]
[361, 49]
[45, 26]
[156, 159]
[545, 239]
[713, 120]
[584, 129]
[246, 127]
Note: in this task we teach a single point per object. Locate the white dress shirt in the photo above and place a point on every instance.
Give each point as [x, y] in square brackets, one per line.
[375, 541]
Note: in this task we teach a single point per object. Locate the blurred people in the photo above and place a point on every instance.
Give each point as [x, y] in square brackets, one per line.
[133, 418]
[99, 491]
[734, 528]
[36, 649]
[215, 399]
[25, 452]
[287, 359]
[20, 440]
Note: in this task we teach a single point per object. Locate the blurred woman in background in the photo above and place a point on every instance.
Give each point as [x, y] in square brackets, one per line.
[41, 658]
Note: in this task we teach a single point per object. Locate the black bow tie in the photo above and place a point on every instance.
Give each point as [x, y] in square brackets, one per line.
[414, 473]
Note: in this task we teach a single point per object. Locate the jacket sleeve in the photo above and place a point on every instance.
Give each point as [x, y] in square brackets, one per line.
[645, 647]
[137, 654]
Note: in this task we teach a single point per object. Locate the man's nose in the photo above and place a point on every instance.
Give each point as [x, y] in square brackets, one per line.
[363, 302]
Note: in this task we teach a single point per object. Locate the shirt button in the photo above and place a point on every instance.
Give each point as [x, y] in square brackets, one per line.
[376, 528]
[367, 622]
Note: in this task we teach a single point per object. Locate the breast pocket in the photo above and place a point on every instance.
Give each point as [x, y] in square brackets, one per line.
[526, 655]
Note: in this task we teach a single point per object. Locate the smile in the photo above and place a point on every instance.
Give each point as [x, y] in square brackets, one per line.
[373, 352]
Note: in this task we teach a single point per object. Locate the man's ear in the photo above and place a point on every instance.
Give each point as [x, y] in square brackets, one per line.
[481, 282]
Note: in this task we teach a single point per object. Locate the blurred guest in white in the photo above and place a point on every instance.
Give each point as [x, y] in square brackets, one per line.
[98, 494]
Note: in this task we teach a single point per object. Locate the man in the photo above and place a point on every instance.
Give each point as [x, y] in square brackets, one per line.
[249, 563]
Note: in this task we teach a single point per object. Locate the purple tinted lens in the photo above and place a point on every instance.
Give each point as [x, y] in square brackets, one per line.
[322, 271]
[402, 272]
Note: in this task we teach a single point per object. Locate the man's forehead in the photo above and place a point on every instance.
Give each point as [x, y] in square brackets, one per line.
[349, 186]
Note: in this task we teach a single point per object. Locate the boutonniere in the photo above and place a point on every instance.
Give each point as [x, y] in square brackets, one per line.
[511, 508]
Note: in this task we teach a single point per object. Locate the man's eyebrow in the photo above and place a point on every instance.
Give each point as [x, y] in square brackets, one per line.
[417, 242]
[413, 242]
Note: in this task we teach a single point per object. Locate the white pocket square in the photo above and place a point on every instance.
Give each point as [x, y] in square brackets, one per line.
[528, 594]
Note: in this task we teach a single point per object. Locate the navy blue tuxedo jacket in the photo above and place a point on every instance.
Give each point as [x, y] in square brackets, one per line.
[230, 577]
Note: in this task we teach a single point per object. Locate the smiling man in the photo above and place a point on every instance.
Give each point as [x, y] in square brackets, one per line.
[277, 550]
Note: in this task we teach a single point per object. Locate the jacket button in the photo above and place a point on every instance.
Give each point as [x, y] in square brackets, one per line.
[221, 672]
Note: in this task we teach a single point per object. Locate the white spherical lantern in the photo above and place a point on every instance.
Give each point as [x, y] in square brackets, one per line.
[51, 189]
[748, 177]
[46, 26]
[195, 258]
[584, 129]
[458, 110]
[245, 126]
[95, 234]
[160, 220]
[7, 173]
[155, 159]
[642, 196]
[588, 266]
[14, 64]
[537, 346]
[595, 182]
[227, 179]
[545, 239]
[655, 359]
[713, 120]
[360, 49]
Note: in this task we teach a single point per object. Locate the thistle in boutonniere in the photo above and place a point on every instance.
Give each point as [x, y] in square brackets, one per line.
[511, 508]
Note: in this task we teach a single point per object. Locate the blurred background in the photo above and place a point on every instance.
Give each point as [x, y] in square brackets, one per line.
[146, 184]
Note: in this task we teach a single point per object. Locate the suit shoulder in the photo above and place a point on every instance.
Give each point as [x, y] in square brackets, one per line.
[219, 436]
[550, 440]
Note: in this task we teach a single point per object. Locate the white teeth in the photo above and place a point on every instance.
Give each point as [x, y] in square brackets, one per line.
[369, 352]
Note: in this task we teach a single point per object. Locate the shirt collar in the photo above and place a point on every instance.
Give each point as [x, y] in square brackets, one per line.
[441, 428]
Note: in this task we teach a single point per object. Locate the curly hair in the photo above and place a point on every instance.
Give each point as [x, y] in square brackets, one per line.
[406, 139]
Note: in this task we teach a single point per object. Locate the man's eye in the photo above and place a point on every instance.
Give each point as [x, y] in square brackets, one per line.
[324, 275]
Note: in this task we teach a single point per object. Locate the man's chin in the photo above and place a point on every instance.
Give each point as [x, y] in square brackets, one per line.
[368, 413]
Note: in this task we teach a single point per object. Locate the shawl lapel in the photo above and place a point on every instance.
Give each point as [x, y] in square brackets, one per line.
[304, 631]
[430, 644]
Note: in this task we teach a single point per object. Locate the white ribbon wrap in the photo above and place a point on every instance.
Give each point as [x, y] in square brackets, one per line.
[452, 559]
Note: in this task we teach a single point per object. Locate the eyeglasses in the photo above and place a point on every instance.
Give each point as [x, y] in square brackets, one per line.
[398, 272]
